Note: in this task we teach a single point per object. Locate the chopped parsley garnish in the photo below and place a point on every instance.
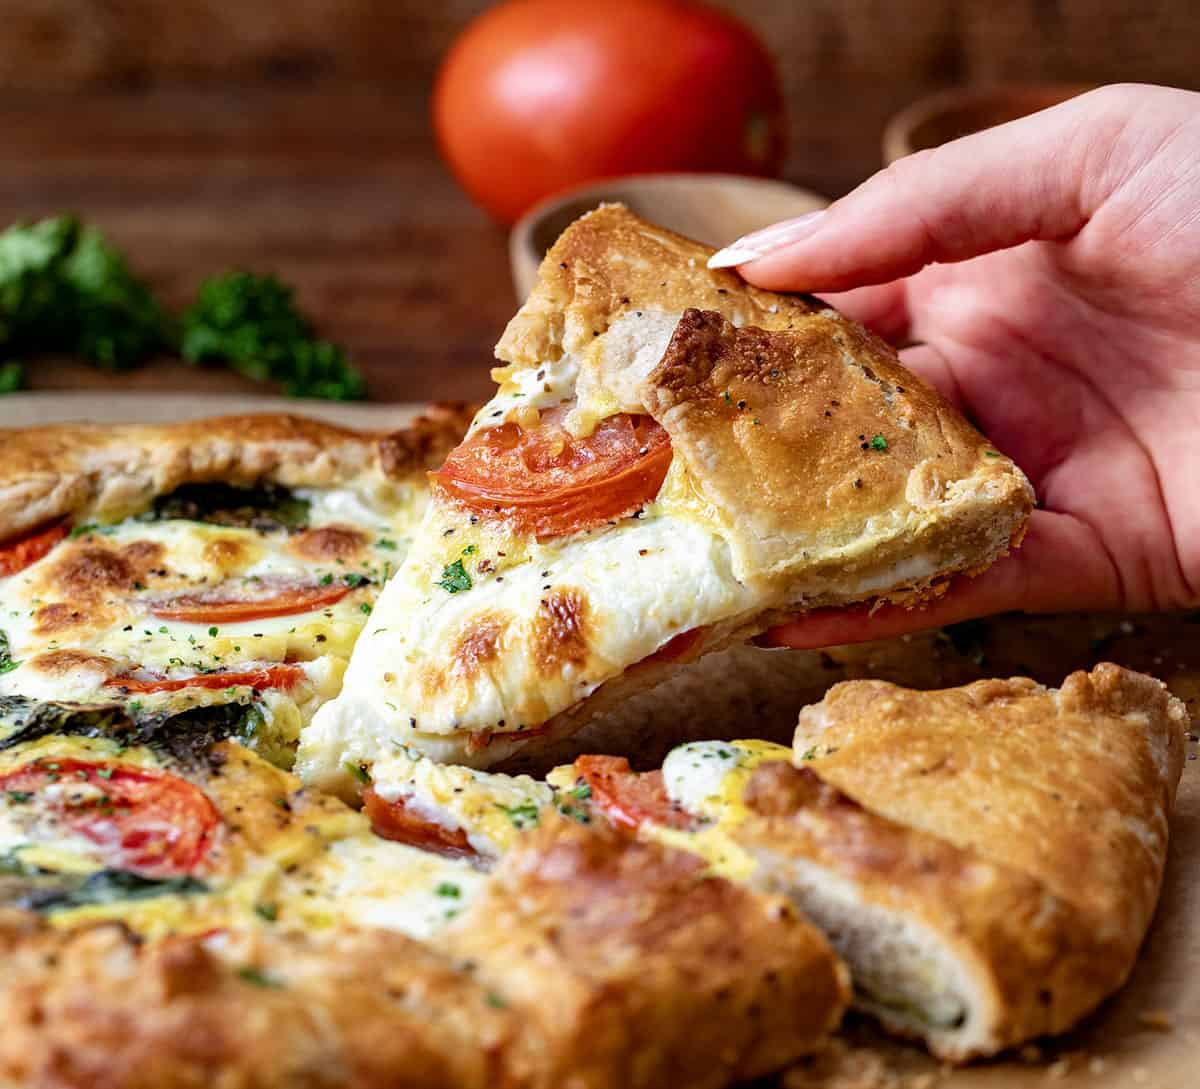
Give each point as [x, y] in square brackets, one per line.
[365, 608]
[256, 977]
[496, 1001]
[524, 815]
[583, 791]
[7, 662]
[728, 398]
[809, 753]
[449, 889]
[992, 454]
[270, 912]
[325, 580]
[82, 531]
[385, 542]
[455, 578]
[358, 771]
[213, 631]
[878, 442]
[354, 580]
[469, 550]
[19, 797]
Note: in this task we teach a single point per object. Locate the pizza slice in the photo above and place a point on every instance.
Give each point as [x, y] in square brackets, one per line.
[986, 859]
[205, 918]
[175, 824]
[150, 570]
[672, 461]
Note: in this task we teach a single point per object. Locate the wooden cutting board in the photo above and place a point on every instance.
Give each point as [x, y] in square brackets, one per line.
[1148, 1034]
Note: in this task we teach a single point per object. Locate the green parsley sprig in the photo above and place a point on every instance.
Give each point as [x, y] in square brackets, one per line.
[65, 288]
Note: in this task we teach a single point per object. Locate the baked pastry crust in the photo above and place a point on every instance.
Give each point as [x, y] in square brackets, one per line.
[589, 961]
[808, 469]
[891, 474]
[92, 471]
[1024, 829]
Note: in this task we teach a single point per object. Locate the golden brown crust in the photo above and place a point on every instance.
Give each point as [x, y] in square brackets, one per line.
[88, 470]
[891, 474]
[1072, 786]
[1025, 826]
[631, 968]
[590, 961]
[1036, 965]
[610, 262]
[245, 1010]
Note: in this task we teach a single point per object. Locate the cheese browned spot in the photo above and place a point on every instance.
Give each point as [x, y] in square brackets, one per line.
[227, 553]
[63, 663]
[61, 616]
[329, 543]
[560, 631]
[90, 571]
[144, 556]
[478, 645]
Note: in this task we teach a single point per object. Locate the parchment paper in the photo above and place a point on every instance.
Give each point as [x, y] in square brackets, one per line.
[1149, 1033]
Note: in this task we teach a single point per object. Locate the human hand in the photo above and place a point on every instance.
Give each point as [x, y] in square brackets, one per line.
[1049, 270]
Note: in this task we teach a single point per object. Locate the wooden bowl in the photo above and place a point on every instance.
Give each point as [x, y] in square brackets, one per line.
[947, 115]
[712, 208]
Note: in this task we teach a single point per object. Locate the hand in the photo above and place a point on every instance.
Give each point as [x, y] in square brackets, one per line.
[1049, 270]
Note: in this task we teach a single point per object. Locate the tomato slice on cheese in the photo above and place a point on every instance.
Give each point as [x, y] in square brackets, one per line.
[18, 553]
[143, 820]
[547, 482]
[226, 605]
[394, 820]
[278, 676]
[627, 797]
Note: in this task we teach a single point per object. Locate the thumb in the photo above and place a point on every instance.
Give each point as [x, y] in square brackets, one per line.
[1040, 177]
[1060, 567]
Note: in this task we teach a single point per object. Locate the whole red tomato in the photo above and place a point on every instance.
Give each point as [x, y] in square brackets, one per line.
[539, 95]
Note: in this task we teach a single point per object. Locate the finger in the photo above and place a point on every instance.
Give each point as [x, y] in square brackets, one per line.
[930, 365]
[882, 308]
[1059, 568]
[1039, 177]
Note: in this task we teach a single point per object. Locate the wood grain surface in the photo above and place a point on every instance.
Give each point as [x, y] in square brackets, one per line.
[294, 138]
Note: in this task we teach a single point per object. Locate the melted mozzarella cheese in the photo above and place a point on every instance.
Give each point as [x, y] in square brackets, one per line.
[626, 583]
[708, 779]
[367, 881]
[197, 557]
[490, 808]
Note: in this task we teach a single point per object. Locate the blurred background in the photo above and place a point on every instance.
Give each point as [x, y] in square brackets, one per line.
[294, 137]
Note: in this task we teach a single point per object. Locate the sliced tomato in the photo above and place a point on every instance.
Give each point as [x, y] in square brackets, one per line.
[627, 797]
[227, 604]
[278, 676]
[17, 553]
[394, 820]
[143, 820]
[547, 482]
[678, 647]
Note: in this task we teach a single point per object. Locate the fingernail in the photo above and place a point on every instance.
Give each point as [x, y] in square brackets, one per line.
[758, 244]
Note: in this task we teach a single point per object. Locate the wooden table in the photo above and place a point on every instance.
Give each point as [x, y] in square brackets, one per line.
[339, 191]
